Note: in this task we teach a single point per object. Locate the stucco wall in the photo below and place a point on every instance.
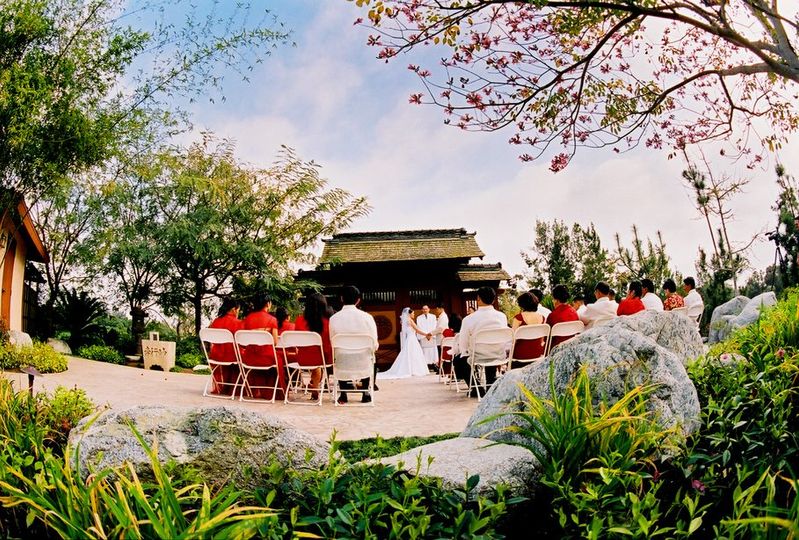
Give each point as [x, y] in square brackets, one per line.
[18, 287]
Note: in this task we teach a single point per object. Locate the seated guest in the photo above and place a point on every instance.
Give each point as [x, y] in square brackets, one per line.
[578, 303]
[650, 300]
[673, 300]
[316, 318]
[563, 312]
[261, 319]
[603, 308]
[283, 322]
[526, 349]
[632, 303]
[692, 300]
[612, 297]
[351, 320]
[484, 318]
[455, 322]
[228, 319]
[542, 309]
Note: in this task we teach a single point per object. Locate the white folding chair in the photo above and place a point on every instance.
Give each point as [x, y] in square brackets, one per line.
[445, 360]
[303, 345]
[353, 360]
[219, 336]
[681, 311]
[529, 332]
[567, 329]
[488, 349]
[256, 338]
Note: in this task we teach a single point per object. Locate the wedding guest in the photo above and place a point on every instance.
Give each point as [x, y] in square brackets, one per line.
[693, 301]
[316, 318]
[563, 312]
[650, 300]
[483, 318]
[542, 309]
[673, 300]
[632, 303]
[283, 322]
[454, 327]
[578, 303]
[228, 319]
[603, 308]
[612, 297]
[261, 319]
[527, 348]
[351, 320]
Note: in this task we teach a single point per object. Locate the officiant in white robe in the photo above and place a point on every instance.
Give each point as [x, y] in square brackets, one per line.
[427, 322]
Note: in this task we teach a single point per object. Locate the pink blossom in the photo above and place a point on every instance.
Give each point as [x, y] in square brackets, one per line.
[415, 99]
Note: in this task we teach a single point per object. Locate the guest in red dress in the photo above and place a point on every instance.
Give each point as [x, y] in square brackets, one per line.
[449, 353]
[673, 300]
[526, 349]
[228, 319]
[283, 322]
[315, 318]
[261, 319]
[632, 304]
[563, 312]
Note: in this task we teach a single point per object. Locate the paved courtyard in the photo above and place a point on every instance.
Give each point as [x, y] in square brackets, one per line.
[416, 406]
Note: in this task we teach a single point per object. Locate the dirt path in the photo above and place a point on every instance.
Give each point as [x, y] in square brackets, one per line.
[417, 406]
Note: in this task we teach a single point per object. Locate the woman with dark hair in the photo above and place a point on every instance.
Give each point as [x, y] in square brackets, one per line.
[316, 318]
[632, 304]
[261, 319]
[283, 322]
[227, 319]
[673, 300]
[527, 348]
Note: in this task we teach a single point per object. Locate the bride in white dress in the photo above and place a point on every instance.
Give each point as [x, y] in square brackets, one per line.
[411, 360]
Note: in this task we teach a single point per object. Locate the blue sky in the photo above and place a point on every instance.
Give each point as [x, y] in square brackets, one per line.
[331, 100]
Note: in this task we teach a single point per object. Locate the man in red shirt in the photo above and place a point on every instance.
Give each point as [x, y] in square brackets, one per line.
[563, 312]
[632, 304]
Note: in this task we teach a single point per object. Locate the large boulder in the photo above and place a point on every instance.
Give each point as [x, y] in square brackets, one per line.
[455, 460]
[651, 348]
[59, 346]
[751, 311]
[220, 443]
[19, 339]
[722, 315]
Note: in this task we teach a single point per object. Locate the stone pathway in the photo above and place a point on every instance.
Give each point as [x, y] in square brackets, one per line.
[417, 406]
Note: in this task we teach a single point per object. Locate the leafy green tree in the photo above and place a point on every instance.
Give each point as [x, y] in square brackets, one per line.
[786, 235]
[644, 259]
[574, 257]
[223, 220]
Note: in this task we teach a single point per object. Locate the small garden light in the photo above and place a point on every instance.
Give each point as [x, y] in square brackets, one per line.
[32, 374]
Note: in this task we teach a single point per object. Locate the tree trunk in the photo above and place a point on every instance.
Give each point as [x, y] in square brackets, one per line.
[198, 313]
[137, 315]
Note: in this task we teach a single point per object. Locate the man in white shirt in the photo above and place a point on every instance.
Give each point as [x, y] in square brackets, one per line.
[692, 300]
[351, 320]
[427, 322]
[442, 323]
[652, 301]
[542, 309]
[578, 303]
[602, 309]
[485, 317]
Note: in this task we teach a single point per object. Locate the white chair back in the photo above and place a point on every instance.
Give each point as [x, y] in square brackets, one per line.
[530, 332]
[217, 336]
[297, 338]
[489, 346]
[254, 337]
[353, 356]
[564, 329]
[446, 345]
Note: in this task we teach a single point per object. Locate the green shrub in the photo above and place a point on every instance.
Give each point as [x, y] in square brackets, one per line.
[40, 356]
[189, 360]
[378, 447]
[101, 353]
[188, 344]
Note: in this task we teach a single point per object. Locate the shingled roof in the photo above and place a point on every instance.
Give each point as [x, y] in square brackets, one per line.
[400, 246]
[482, 272]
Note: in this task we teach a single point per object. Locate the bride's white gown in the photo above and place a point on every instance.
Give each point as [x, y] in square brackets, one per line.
[411, 361]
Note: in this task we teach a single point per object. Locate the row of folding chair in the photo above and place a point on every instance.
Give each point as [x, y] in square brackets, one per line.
[302, 352]
[496, 347]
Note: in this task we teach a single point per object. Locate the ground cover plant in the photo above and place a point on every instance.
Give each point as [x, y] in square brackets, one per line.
[39, 355]
[377, 447]
[42, 495]
[101, 353]
[610, 471]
